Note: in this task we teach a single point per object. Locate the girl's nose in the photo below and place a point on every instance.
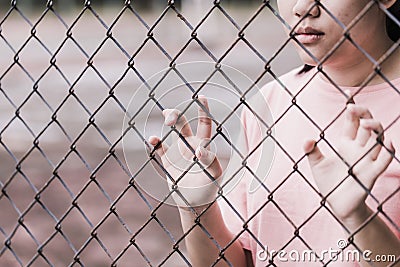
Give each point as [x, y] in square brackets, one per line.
[306, 8]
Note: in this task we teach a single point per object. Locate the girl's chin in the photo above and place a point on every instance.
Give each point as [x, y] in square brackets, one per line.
[308, 60]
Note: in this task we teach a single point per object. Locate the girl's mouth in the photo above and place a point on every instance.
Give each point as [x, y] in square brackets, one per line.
[308, 35]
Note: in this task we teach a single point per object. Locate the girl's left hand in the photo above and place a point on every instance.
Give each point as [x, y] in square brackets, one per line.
[367, 154]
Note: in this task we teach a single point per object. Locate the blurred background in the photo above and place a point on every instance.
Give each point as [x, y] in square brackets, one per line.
[77, 185]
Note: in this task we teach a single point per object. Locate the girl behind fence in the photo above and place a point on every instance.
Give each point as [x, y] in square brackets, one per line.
[333, 166]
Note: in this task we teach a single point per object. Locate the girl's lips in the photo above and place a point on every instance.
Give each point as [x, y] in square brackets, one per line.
[308, 38]
[308, 35]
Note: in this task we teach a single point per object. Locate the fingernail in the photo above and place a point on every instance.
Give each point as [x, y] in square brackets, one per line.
[151, 140]
[200, 151]
[392, 148]
[170, 120]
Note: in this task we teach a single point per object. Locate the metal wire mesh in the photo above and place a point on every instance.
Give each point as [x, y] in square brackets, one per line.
[67, 195]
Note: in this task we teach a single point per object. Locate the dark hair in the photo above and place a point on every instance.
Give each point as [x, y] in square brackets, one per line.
[392, 29]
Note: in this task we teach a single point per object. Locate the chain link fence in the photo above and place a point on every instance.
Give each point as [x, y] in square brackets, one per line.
[81, 92]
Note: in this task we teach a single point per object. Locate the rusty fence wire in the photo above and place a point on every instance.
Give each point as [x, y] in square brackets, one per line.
[78, 99]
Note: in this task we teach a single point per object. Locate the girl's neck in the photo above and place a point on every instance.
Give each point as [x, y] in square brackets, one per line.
[355, 73]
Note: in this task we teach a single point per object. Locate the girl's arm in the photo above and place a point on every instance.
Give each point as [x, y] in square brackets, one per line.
[375, 238]
[202, 250]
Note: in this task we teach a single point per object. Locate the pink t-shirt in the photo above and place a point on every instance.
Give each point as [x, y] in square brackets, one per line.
[291, 219]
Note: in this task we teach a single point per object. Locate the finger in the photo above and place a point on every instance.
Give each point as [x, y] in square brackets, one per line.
[314, 155]
[364, 134]
[209, 160]
[205, 124]
[384, 158]
[374, 126]
[376, 139]
[352, 120]
[181, 124]
[160, 148]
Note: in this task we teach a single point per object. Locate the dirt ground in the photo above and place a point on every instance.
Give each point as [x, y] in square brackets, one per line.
[63, 192]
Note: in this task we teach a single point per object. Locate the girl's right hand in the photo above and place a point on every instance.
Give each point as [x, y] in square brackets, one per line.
[199, 184]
